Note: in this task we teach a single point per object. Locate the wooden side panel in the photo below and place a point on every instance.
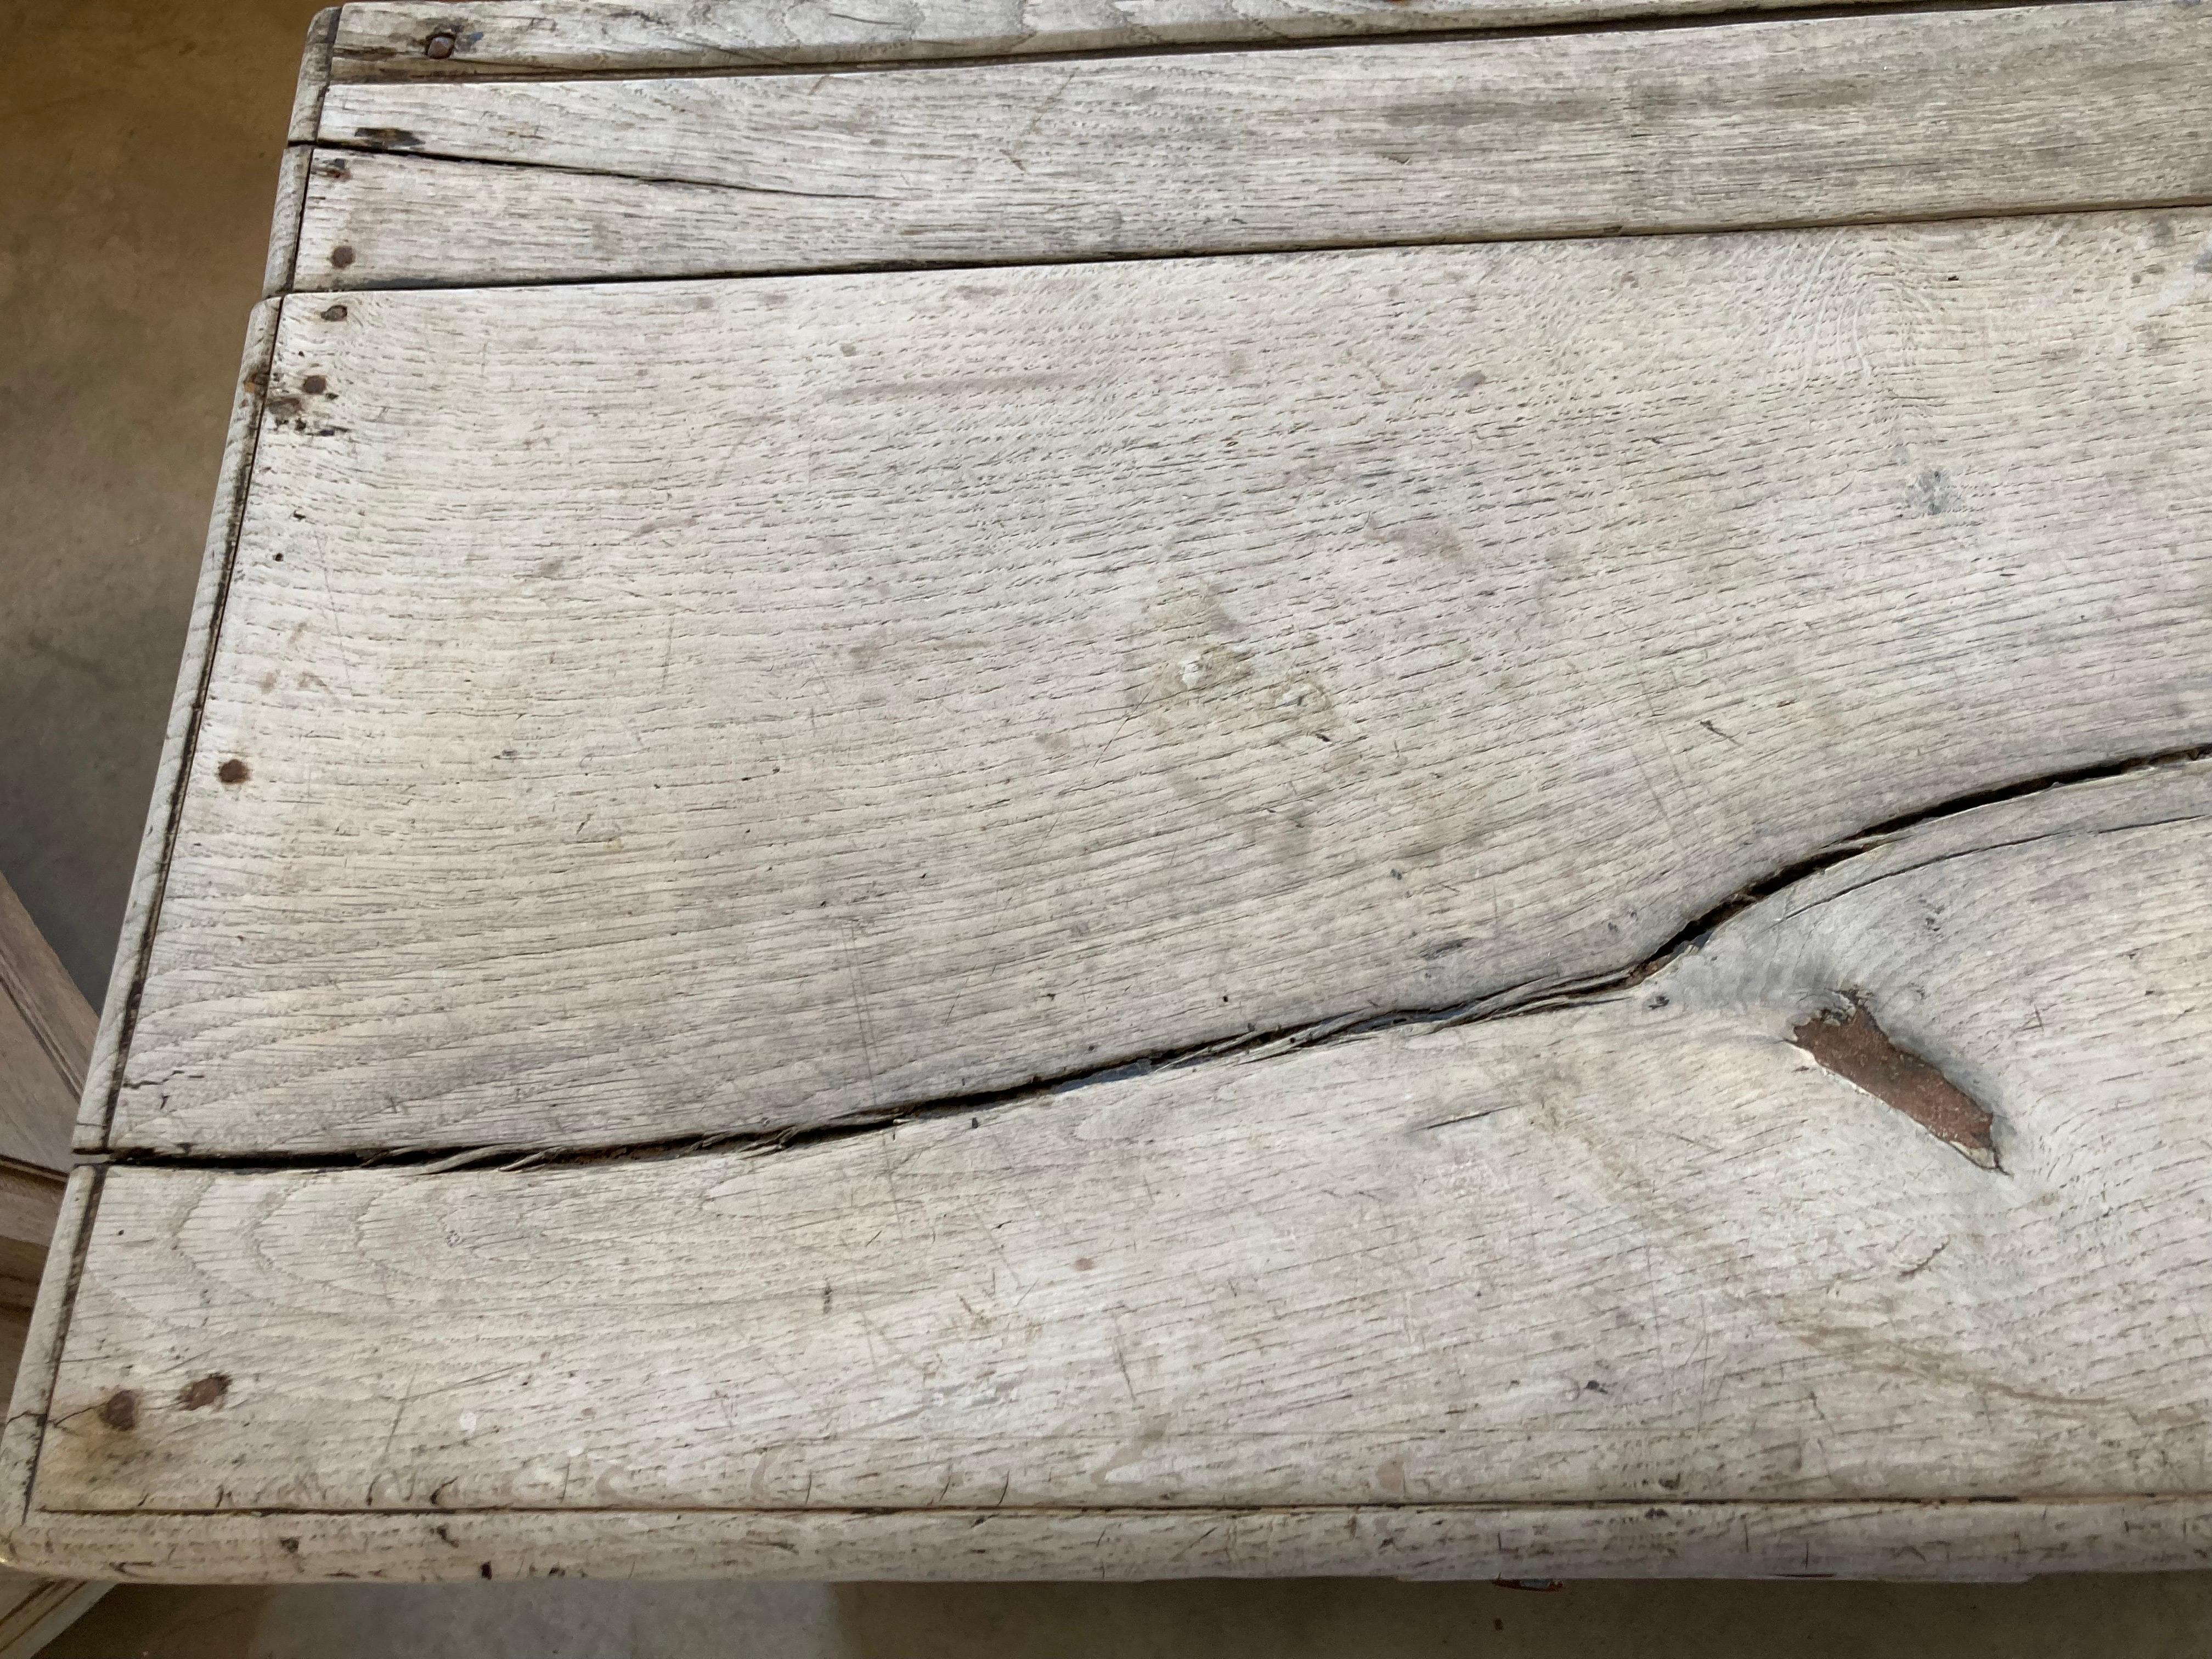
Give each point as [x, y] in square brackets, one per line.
[410, 39]
[37, 1104]
[33, 1610]
[1806, 121]
[46, 999]
[1305, 1280]
[46, 1039]
[1270, 642]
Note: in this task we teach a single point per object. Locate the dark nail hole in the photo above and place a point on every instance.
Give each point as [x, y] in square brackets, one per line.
[341, 256]
[120, 1410]
[334, 313]
[440, 46]
[204, 1391]
[233, 770]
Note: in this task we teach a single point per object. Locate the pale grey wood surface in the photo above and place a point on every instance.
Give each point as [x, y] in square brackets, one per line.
[569, 37]
[1802, 122]
[314, 76]
[673, 710]
[638, 716]
[1641, 1247]
[143, 908]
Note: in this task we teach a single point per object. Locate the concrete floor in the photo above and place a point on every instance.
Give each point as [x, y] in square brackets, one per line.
[138, 142]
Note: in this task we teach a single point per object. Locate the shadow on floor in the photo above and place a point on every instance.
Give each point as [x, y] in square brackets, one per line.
[2150, 1617]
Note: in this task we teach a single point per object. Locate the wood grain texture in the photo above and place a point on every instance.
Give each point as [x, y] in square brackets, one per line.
[570, 36]
[292, 175]
[1804, 122]
[1271, 640]
[1304, 1281]
[30, 1203]
[33, 1610]
[25, 1426]
[119, 1009]
[314, 76]
[33, 978]
[36, 1104]
[46, 1039]
[1924, 1541]
[46, 1032]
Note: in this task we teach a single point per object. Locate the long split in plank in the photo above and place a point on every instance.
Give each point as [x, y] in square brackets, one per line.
[1771, 1273]
[675, 709]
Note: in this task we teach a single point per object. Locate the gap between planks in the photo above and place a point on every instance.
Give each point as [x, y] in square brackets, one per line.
[1311, 191]
[1288, 250]
[341, 70]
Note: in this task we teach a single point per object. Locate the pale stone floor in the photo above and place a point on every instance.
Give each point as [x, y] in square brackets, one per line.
[139, 141]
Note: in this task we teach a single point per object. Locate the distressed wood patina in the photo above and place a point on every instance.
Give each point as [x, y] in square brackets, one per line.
[1054, 791]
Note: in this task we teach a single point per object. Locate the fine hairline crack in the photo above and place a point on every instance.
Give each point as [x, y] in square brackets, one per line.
[1531, 996]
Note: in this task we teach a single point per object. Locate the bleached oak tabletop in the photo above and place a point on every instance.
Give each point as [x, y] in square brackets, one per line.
[1005, 787]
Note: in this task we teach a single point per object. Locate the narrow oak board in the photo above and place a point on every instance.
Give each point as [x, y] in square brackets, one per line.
[1807, 121]
[670, 709]
[406, 41]
[1306, 1279]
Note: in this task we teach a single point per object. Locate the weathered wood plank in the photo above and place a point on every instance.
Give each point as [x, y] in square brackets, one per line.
[314, 76]
[37, 1106]
[30, 1204]
[1804, 122]
[1300, 1281]
[1925, 1541]
[119, 1009]
[407, 40]
[1270, 640]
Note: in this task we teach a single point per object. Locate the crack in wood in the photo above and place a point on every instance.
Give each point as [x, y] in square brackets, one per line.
[1866, 1057]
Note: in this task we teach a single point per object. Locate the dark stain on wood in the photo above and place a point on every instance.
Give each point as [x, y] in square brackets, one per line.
[393, 138]
[204, 1391]
[233, 770]
[120, 1410]
[1856, 1049]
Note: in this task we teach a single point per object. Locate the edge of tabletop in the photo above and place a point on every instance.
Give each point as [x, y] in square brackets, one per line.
[24, 1433]
[524, 40]
[1924, 1539]
[172, 778]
